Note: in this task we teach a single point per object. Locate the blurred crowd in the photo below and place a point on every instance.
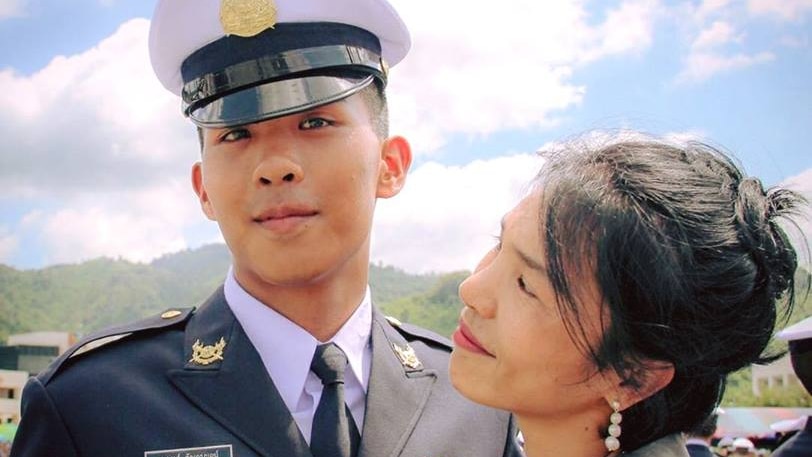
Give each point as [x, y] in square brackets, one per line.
[702, 442]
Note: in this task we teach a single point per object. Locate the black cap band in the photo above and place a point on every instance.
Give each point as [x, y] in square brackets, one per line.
[288, 50]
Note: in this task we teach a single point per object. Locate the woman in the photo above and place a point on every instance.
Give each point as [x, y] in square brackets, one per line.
[622, 291]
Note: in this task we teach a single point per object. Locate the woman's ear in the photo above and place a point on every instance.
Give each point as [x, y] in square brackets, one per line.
[650, 377]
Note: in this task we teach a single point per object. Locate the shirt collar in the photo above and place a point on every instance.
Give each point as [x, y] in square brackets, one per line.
[269, 331]
[697, 441]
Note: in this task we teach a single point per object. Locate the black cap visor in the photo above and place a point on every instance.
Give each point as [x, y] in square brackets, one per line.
[276, 99]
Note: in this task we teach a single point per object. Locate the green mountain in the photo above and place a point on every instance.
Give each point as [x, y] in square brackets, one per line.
[91, 295]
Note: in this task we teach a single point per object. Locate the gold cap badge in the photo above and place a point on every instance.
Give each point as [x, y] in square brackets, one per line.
[205, 355]
[247, 18]
[407, 357]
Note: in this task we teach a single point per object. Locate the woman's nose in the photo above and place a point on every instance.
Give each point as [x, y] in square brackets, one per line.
[478, 293]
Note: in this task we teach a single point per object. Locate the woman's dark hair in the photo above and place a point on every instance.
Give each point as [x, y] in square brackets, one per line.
[690, 262]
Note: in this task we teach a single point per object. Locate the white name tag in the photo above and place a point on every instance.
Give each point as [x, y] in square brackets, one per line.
[209, 451]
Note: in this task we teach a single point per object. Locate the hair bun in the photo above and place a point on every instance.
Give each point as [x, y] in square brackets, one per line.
[757, 214]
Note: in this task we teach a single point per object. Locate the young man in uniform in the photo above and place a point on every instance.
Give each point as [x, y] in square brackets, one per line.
[289, 357]
[799, 340]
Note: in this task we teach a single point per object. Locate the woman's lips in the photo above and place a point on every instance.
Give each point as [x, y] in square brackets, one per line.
[463, 338]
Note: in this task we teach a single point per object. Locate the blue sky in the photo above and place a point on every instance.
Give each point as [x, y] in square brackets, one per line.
[95, 155]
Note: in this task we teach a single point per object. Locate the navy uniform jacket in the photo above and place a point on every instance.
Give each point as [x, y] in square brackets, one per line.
[699, 450]
[668, 446]
[144, 393]
[799, 445]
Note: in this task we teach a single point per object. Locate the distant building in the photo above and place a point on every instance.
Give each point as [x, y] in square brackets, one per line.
[11, 389]
[61, 340]
[26, 355]
[33, 352]
[777, 375]
[30, 359]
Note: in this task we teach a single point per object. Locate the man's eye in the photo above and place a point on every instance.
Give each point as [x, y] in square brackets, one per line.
[235, 135]
[314, 123]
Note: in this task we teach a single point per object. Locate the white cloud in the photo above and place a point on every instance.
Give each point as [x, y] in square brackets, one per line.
[98, 120]
[629, 28]
[718, 34]
[446, 216]
[12, 8]
[710, 8]
[707, 56]
[717, 31]
[791, 41]
[479, 69]
[8, 244]
[135, 225]
[597, 138]
[700, 66]
[787, 10]
[802, 183]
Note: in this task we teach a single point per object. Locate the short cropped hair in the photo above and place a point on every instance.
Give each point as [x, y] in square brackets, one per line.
[689, 259]
[374, 96]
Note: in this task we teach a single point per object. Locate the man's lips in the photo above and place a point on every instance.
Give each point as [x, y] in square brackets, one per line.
[281, 212]
[463, 338]
[285, 218]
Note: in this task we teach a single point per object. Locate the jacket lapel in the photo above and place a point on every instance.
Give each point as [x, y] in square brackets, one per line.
[235, 390]
[396, 395]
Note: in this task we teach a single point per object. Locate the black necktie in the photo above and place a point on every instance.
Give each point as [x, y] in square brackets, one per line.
[334, 433]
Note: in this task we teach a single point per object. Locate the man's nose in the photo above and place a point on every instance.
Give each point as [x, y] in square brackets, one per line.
[277, 170]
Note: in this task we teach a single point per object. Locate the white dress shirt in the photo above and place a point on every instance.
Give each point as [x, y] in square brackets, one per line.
[287, 349]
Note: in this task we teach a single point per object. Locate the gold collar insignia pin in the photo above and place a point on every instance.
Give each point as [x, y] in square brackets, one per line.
[247, 18]
[407, 357]
[205, 355]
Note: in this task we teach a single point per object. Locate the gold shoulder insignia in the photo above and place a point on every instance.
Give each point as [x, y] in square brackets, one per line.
[394, 321]
[247, 18]
[205, 355]
[171, 314]
[98, 343]
[407, 357]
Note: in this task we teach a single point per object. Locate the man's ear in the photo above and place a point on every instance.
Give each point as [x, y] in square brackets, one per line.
[651, 376]
[200, 190]
[396, 158]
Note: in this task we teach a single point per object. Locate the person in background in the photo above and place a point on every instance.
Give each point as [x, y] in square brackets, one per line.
[622, 290]
[799, 338]
[290, 357]
[699, 439]
[724, 446]
[743, 447]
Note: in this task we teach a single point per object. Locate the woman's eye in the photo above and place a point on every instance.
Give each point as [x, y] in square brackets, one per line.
[235, 135]
[498, 246]
[314, 123]
[523, 286]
